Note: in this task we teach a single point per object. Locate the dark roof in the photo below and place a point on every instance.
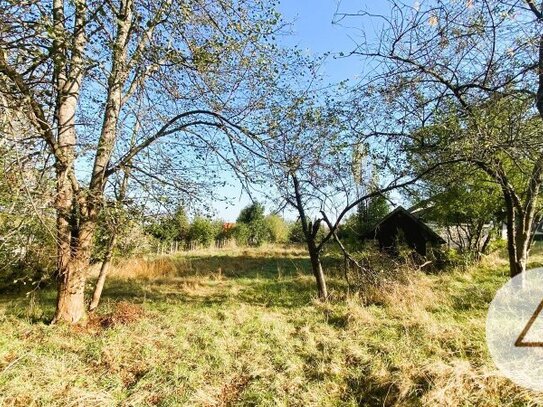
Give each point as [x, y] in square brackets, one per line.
[400, 210]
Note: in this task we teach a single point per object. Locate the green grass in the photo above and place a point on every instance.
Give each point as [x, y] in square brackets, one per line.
[253, 334]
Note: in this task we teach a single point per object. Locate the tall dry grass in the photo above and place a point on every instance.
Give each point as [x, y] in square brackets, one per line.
[260, 337]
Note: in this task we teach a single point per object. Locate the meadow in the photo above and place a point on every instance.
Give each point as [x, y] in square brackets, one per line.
[242, 327]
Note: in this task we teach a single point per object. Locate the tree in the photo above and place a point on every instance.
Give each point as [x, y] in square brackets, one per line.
[252, 217]
[171, 227]
[464, 81]
[369, 213]
[85, 71]
[309, 159]
[296, 233]
[466, 203]
[203, 231]
[278, 229]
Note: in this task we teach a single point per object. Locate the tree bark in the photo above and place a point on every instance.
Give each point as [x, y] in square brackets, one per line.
[519, 231]
[71, 294]
[99, 287]
[73, 236]
[310, 232]
[73, 264]
[77, 220]
[316, 267]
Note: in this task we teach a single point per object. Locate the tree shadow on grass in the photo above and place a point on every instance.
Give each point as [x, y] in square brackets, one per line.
[240, 266]
[367, 389]
[288, 292]
[284, 282]
[211, 280]
[36, 306]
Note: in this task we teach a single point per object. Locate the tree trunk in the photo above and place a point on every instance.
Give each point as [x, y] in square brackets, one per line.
[73, 265]
[316, 267]
[519, 227]
[108, 135]
[71, 294]
[522, 249]
[486, 243]
[516, 266]
[103, 274]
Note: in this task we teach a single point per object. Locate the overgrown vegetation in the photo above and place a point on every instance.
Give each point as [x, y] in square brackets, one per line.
[122, 123]
[243, 327]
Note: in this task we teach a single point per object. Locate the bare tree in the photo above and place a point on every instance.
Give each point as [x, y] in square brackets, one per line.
[312, 160]
[459, 67]
[77, 69]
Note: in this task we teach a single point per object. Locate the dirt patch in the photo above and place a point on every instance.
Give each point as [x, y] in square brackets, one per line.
[231, 391]
[124, 313]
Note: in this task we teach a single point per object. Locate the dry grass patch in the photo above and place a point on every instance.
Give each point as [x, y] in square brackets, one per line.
[182, 336]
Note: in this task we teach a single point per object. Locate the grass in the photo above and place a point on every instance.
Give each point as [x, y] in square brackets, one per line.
[242, 327]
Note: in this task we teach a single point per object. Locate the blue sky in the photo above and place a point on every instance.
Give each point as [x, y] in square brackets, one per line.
[313, 30]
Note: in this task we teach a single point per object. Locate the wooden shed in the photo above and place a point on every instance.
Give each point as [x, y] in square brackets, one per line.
[402, 226]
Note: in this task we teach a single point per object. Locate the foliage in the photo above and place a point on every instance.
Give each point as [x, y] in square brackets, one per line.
[456, 85]
[204, 231]
[241, 234]
[253, 230]
[278, 228]
[160, 91]
[27, 226]
[296, 233]
[169, 228]
[368, 214]
[467, 204]
[132, 238]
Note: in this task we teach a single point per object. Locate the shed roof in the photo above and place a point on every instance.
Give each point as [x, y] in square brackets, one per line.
[430, 235]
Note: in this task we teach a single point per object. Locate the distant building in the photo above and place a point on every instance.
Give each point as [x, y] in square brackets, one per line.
[401, 226]
[228, 226]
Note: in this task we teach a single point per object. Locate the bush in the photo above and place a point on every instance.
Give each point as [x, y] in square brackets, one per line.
[241, 234]
[131, 236]
[369, 213]
[256, 231]
[204, 231]
[172, 227]
[296, 234]
[278, 229]
[452, 258]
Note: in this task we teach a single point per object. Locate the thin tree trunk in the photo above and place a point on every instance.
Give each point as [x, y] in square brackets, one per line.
[99, 287]
[316, 267]
[515, 266]
[486, 243]
[310, 231]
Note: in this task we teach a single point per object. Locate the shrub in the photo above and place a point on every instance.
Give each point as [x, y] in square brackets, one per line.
[296, 234]
[256, 228]
[204, 231]
[241, 234]
[278, 229]
[171, 227]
